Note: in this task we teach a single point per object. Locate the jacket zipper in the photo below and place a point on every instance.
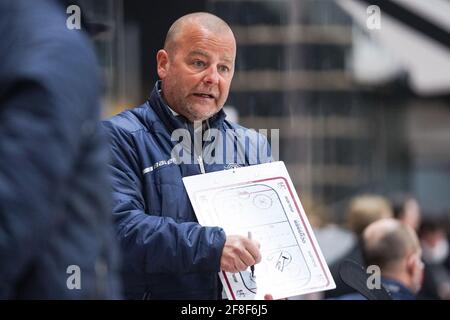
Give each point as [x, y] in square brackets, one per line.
[201, 164]
[200, 152]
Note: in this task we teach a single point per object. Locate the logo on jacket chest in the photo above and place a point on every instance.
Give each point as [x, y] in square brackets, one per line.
[158, 165]
[231, 166]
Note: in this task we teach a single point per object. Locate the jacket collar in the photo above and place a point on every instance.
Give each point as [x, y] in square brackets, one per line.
[173, 121]
[397, 290]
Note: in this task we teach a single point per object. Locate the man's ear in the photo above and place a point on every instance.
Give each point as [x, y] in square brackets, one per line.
[162, 63]
[412, 263]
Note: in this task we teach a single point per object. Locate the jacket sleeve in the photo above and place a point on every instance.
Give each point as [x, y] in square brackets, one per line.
[150, 243]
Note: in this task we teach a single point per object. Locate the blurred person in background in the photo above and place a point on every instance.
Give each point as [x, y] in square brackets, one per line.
[435, 246]
[56, 236]
[395, 249]
[362, 211]
[406, 209]
[334, 241]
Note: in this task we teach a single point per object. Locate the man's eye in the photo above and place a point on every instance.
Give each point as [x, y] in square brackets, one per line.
[224, 69]
[199, 63]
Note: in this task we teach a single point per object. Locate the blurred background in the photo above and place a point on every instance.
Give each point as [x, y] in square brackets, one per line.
[363, 106]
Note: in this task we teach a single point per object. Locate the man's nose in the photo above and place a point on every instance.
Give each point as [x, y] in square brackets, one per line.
[212, 75]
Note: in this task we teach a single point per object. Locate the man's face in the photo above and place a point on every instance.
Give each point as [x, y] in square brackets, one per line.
[196, 75]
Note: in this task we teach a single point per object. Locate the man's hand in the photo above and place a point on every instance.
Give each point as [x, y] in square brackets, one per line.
[239, 253]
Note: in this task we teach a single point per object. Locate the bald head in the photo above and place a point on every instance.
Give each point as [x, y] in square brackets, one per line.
[195, 21]
[196, 66]
[387, 242]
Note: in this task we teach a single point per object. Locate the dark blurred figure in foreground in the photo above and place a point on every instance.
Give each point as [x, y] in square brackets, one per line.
[56, 240]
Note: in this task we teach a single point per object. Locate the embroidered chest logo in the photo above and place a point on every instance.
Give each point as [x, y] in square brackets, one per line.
[159, 164]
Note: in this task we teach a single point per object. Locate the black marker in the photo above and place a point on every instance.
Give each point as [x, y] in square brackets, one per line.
[252, 267]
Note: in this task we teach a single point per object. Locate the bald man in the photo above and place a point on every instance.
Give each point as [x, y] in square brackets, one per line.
[395, 249]
[166, 253]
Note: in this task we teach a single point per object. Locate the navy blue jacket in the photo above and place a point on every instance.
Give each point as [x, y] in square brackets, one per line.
[396, 290]
[54, 200]
[166, 253]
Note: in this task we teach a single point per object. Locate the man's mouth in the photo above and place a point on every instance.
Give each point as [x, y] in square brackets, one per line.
[204, 95]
